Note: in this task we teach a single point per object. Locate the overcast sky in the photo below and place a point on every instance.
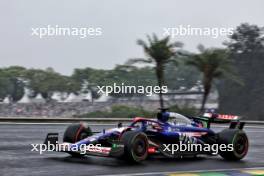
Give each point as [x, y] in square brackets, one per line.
[122, 23]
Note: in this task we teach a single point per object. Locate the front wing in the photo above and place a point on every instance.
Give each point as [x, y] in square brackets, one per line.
[52, 139]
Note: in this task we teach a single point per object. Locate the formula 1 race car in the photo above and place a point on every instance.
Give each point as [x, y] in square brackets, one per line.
[162, 136]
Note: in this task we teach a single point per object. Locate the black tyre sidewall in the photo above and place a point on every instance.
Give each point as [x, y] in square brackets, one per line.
[74, 133]
[230, 136]
[129, 139]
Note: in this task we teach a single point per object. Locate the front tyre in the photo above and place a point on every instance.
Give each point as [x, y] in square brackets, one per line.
[75, 133]
[238, 139]
[136, 146]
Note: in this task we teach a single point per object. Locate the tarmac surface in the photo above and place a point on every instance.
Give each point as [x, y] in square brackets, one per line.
[16, 157]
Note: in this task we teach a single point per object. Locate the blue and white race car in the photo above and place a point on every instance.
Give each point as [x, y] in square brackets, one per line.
[170, 135]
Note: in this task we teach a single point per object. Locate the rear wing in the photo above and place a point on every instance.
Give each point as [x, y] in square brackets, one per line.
[221, 118]
[207, 118]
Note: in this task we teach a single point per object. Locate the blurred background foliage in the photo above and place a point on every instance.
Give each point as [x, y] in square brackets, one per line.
[243, 96]
[122, 111]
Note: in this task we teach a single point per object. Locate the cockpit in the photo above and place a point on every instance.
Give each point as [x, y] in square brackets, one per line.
[178, 119]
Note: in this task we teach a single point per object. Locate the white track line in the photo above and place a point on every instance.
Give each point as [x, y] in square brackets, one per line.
[179, 172]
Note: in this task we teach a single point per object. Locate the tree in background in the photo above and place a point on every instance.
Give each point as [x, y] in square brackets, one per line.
[213, 64]
[14, 79]
[247, 54]
[183, 77]
[129, 75]
[11, 82]
[48, 81]
[158, 52]
[246, 39]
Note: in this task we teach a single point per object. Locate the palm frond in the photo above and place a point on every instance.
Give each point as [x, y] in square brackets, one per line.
[138, 60]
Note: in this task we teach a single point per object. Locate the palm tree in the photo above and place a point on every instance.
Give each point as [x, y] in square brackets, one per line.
[213, 64]
[158, 52]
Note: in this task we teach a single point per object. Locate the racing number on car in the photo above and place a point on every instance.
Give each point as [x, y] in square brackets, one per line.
[186, 138]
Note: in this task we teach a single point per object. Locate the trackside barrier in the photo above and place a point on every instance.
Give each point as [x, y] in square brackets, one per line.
[61, 120]
[75, 120]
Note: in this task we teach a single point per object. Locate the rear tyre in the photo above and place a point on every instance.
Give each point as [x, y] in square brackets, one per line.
[136, 146]
[75, 133]
[238, 139]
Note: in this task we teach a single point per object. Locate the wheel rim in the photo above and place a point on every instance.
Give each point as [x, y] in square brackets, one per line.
[241, 145]
[139, 147]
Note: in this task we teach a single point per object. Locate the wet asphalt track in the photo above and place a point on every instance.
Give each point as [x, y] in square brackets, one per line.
[16, 157]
